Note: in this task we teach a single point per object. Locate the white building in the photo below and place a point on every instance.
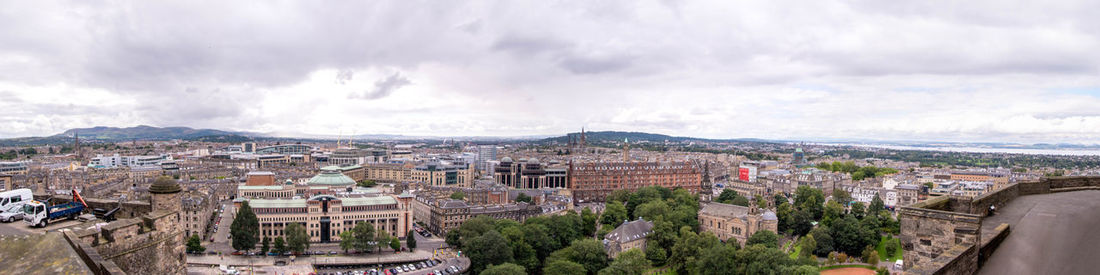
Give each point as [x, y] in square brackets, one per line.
[115, 160]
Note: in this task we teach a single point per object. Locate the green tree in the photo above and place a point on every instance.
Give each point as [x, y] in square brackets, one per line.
[655, 254]
[652, 211]
[521, 197]
[410, 240]
[588, 218]
[619, 195]
[761, 202]
[841, 196]
[727, 196]
[858, 210]
[366, 183]
[395, 244]
[194, 245]
[833, 211]
[265, 245]
[876, 205]
[810, 199]
[279, 246]
[849, 237]
[764, 237]
[742, 201]
[381, 239]
[801, 222]
[589, 253]
[505, 269]
[808, 245]
[297, 239]
[347, 240]
[458, 196]
[783, 212]
[363, 236]
[245, 228]
[872, 258]
[824, 241]
[485, 250]
[630, 262]
[563, 267]
[614, 214]
[718, 259]
[891, 247]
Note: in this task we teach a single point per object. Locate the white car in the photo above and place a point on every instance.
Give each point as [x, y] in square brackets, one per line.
[11, 216]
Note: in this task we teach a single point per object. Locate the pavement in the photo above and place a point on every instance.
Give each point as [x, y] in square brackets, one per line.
[1050, 234]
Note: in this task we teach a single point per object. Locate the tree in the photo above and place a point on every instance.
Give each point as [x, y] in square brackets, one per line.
[801, 222]
[876, 205]
[810, 199]
[654, 210]
[563, 267]
[485, 250]
[279, 246]
[245, 228]
[458, 196]
[619, 195]
[630, 262]
[194, 244]
[521, 197]
[833, 211]
[841, 196]
[655, 254]
[505, 269]
[265, 245]
[589, 253]
[347, 240]
[858, 210]
[823, 239]
[891, 247]
[764, 237]
[410, 240]
[783, 213]
[718, 259]
[363, 236]
[381, 239]
[588, 219]
[727, 196]
[808, 245]
[297, 239]
[742, 201]
[760, 202]
[849, 237]
[614, 214]
[395, 244]
[366, 183]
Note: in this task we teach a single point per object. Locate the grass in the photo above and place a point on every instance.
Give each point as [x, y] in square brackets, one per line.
[662, 270]
[847, 265]
[881, 248]
[795, 252]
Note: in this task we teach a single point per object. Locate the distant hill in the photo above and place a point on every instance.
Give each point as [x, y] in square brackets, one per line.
[617, 136]
[141, 132]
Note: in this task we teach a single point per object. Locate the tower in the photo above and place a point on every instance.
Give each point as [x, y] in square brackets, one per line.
[584, 140]
[76, 145]
[626, 150]
[165, 195]
[705, 192]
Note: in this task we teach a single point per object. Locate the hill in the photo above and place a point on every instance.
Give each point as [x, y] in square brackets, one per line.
[113, 134]
[617, 136]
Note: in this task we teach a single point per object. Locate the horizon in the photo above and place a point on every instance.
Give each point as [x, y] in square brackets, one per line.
[745, 70]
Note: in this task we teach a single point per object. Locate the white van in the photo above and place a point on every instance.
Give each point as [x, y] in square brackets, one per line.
[14, 199]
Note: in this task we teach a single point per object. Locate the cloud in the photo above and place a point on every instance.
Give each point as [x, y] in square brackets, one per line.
[990, 71]
[384, 87]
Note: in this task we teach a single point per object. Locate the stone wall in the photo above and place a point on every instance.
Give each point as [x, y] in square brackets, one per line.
[152, 244]
[928, 234]
[1000, 197]
[959, 259]
[990, 244]
[91, 258]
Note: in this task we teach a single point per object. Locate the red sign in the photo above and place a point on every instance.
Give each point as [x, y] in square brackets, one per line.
[743, 174]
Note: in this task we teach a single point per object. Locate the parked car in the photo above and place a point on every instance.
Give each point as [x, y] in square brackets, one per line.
[15, 214]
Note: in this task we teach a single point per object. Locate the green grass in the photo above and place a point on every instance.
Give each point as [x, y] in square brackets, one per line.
[795, 252]
[847, 265]
[662, 270]
[881, 248]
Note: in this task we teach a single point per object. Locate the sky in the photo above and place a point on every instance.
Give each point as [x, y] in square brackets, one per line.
[1003, 70]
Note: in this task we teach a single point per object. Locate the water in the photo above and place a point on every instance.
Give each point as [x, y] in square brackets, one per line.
[1067, 152]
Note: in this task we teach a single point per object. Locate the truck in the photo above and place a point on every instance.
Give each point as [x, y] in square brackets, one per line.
[36, 213]
[14, 199]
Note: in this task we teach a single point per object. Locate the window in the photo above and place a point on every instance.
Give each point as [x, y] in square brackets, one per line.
[925, 242]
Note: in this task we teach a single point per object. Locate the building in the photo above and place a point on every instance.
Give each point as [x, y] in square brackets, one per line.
[13, 167]
[729, 221]
[593, 181]
[485, 153]
[444, 214]
[387, 172]
[529, 174]
[116, 160]
[259, 178]
[629, 235]
[285, 149]
[440, 174]
[196, 211]
[334, 205]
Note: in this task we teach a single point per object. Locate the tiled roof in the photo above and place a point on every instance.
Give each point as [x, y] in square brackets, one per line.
[630, 231]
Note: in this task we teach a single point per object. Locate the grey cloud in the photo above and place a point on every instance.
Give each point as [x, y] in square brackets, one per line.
[581, 65]
[384, 87]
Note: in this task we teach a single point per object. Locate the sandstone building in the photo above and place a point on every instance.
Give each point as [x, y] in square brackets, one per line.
[736, 222]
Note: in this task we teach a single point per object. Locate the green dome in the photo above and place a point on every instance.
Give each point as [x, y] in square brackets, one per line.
[330, 175]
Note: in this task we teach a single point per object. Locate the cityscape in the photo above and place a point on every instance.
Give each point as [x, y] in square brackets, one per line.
[556, 138]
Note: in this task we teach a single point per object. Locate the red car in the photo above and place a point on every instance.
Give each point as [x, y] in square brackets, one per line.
[238, 253]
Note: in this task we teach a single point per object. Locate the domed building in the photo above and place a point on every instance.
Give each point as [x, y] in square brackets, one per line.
[331, 176]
